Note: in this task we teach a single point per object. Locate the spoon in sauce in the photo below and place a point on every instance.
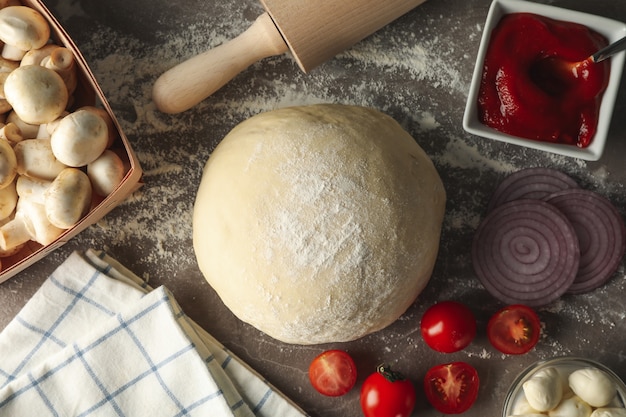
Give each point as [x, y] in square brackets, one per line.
[554, 74]
[609, 51]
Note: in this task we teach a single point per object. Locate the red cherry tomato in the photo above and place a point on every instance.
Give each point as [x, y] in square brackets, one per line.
[332, 373]
[387, 394]
[451, 388]
[448, 326]
[514, 330]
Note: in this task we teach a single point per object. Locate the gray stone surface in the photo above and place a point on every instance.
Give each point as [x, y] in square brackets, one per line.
[418, 70]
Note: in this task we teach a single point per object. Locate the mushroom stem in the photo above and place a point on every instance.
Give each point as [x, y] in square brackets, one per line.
[30, 223]
[35, 159]
[12, 53]
[33, 189]
[61, 60]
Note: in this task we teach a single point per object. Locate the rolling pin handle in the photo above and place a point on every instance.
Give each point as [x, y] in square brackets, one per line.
[191, 81]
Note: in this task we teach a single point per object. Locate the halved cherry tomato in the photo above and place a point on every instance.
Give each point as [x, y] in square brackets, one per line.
[452, 388]
[514, 330]
[448, 326]
[386, 393]
[332, 373]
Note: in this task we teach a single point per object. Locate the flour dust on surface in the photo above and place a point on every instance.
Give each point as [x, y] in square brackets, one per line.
[159, 216]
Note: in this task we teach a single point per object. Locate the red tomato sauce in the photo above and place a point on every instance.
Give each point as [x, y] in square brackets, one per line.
[524, 91]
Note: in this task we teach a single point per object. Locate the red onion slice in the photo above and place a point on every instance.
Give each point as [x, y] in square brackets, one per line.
[526, 252]
[534, 183]
[601, 235]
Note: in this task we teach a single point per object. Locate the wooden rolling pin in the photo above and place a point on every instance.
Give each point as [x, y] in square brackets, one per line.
[313, 30]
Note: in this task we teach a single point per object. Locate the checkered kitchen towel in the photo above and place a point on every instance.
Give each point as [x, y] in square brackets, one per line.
[96, 341]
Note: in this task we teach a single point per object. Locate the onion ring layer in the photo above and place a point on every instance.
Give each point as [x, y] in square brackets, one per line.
[601, 235]
[526, 252]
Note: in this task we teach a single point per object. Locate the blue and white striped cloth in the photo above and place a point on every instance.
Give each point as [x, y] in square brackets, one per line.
[96, 341]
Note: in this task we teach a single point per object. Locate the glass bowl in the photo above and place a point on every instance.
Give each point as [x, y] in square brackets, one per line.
[565, 365]
[612, 30]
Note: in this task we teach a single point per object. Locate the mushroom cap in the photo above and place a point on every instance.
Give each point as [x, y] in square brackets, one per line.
[68, 198]
[80, 138]
[112, 130]
[38, 94]
[106, 173]
[23, 28]
[8, 164]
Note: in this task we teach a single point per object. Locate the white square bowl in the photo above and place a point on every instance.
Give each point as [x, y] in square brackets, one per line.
[612, 30]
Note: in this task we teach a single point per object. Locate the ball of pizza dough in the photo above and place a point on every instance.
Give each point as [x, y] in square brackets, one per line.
[318, 224]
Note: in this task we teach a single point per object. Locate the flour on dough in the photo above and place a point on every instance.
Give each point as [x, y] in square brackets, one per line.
[318, 223]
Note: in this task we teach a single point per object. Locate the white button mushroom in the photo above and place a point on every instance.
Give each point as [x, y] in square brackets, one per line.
[571, 407]
[8, 163]
[593, 386]
[609, 412]
[21, 29]
[544, 389]
[106, 173]
[68, 198]
[38, 94]
[57, 58]
[79, 138]
[35, 159]
[30, 223]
